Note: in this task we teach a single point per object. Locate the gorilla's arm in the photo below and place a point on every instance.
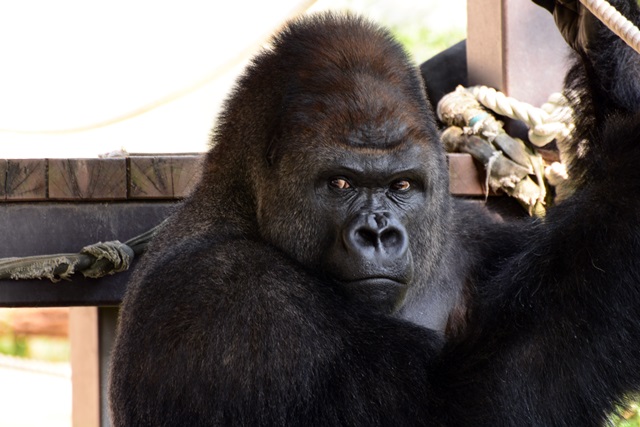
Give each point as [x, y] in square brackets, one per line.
[605, 77]
[241, 346]
[556, 336]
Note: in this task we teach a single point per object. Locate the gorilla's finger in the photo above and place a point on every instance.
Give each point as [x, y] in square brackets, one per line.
[573, 5]
[547, 4]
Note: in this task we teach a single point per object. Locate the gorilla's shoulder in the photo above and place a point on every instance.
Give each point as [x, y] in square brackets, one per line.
[213, 267]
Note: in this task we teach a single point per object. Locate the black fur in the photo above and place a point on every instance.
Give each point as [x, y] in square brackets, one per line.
[241, 315]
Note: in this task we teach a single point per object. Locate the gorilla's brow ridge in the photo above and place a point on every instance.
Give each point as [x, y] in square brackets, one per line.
[374, 138]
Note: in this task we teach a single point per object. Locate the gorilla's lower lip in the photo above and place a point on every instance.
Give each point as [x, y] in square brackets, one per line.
[377, 287]
[378, 293]
[376, 281]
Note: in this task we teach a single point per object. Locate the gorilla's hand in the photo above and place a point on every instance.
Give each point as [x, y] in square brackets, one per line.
[577, 24]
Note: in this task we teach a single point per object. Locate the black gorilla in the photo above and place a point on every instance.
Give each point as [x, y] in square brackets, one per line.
[320, 274]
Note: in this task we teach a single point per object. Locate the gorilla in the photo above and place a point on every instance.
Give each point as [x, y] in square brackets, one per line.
[320, 274]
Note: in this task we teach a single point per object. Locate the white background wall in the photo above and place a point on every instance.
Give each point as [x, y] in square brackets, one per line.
[71, 66]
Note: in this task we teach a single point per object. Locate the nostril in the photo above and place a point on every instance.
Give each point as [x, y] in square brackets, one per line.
[376, 234]
[366, 237]
[391, 238]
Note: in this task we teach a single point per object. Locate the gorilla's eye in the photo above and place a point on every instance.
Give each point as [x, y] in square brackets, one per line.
[401, 185]
[340, 183]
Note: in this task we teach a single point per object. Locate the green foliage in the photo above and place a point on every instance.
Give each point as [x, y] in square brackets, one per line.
[629, 416]
[13, 346]
[50, 349]
[424, 28]
[422, 43]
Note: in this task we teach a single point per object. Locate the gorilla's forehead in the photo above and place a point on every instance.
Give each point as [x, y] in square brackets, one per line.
[401, 158]
[363, 111]
[391, 132]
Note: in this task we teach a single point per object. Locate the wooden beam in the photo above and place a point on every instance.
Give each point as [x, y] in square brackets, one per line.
[85, 366]
[515, 47]
[103, 179]
[465, 179]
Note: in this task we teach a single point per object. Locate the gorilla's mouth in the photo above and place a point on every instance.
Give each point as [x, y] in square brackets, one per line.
[380, 293]
[377, 281]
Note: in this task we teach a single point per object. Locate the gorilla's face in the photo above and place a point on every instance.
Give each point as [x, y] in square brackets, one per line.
[349, 189]
[352, 214]
[369, 198]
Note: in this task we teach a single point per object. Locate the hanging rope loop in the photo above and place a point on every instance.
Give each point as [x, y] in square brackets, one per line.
[554, 120]
[615, 21]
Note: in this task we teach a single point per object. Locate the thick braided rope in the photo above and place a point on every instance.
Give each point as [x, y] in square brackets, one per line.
[614, 20]
[551, 121]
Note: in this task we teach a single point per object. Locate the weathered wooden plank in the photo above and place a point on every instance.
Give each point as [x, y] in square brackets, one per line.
[142, 177]
[150, 177]
[515, 47]
[3, 179]
[85, 363]
[162, 177]
[185, 173]
[95, 179]
[485, 50]
[465, 179]
[26, 179]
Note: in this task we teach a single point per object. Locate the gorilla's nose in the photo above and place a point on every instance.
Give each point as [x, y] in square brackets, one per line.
[376, 234]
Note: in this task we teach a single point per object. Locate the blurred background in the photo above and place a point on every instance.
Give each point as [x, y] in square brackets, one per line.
[84, 78]
[87, 78]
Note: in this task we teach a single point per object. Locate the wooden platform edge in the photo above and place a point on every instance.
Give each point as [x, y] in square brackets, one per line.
[169, 177]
